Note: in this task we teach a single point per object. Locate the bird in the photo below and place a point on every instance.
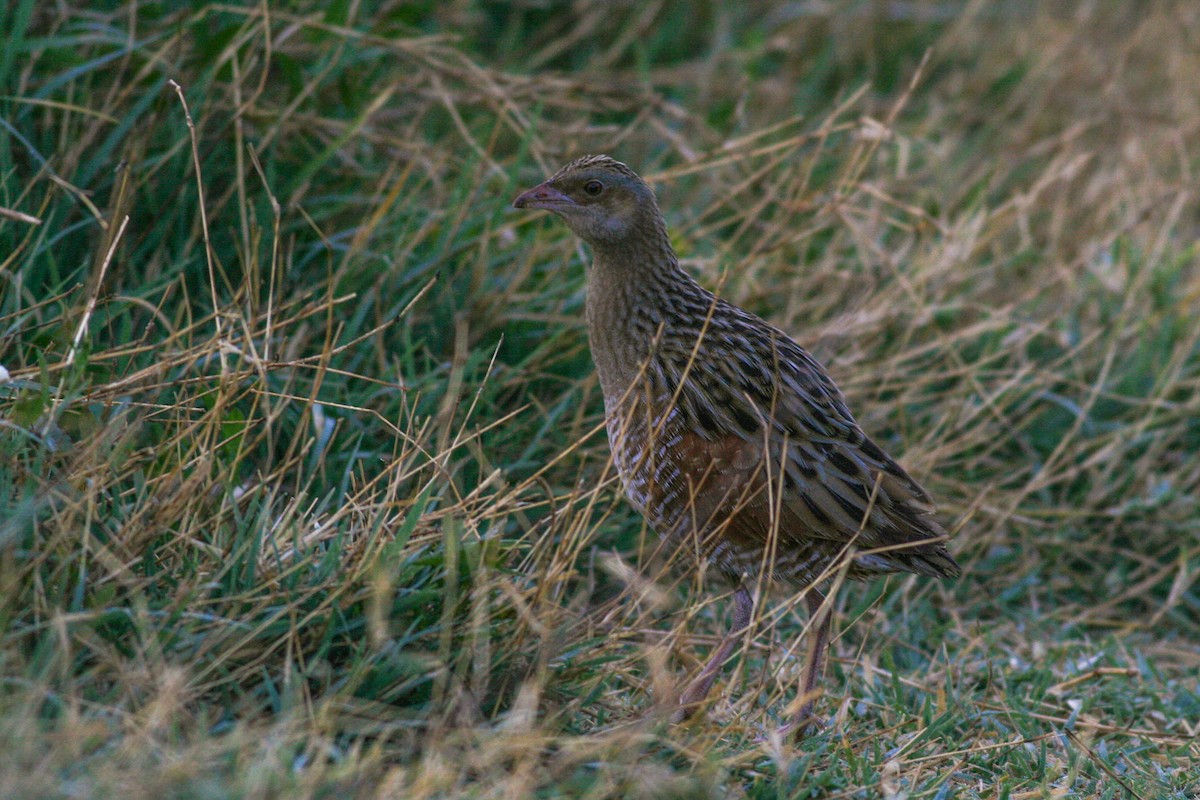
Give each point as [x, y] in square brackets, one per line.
[730, 438]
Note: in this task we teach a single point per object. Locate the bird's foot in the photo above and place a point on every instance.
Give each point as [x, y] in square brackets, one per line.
[682, 714]
[795, 731]
[804, 724]
[691, 701]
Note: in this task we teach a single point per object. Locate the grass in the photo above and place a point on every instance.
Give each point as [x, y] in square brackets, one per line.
[303, 489]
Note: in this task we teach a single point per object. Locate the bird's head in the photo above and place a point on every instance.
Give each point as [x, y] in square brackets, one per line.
[603, 201]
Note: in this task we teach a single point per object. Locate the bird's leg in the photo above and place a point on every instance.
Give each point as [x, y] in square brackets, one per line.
[697, 690]
[819, 614]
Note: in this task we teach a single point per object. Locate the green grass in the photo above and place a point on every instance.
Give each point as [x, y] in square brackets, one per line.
[303, 489]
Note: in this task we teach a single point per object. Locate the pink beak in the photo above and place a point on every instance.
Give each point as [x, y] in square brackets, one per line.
[542, 196]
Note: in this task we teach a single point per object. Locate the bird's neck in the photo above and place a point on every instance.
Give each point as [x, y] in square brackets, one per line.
[632, 280]
[635, 285]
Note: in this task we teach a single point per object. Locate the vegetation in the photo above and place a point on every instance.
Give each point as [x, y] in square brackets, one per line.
[303, 485]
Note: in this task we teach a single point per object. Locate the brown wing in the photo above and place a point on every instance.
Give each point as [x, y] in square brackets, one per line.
[816, 483]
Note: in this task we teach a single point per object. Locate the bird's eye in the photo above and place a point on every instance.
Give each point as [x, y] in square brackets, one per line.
[593, 187]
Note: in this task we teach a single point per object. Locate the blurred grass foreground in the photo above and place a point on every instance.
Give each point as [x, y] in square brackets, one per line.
[303, 486]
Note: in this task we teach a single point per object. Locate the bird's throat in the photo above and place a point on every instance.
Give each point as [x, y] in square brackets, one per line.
[631, 297]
